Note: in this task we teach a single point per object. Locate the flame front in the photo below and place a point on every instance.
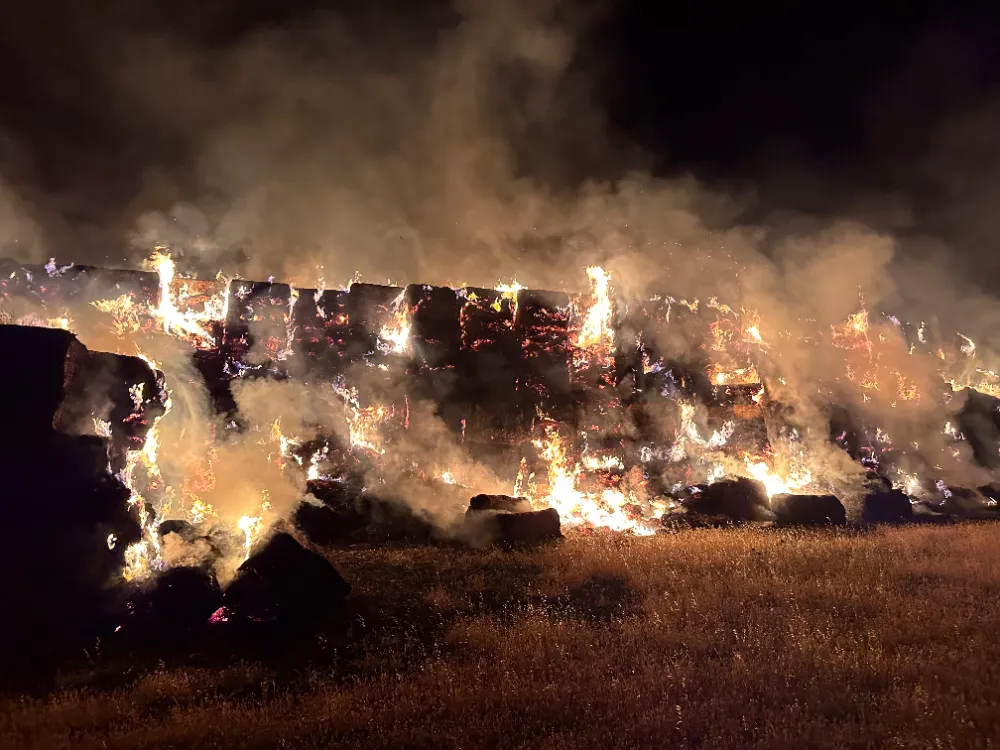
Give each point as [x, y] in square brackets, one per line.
[604, 508]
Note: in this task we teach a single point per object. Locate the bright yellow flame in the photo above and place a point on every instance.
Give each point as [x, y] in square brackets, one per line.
[253, 526]
[596, 334]
[508, 292]
[775, 484]
[394, 337]
[186, 325]
[603, 509]
[124, 314]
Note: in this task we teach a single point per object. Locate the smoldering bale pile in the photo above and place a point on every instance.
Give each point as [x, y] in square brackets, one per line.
[498, 368]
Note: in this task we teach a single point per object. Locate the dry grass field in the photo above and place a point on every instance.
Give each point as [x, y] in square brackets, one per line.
[719, 638]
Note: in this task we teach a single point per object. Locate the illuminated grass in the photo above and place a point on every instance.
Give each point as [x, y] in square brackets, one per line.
[714, 639]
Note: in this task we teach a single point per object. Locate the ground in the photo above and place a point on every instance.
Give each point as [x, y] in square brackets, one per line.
[713, 638]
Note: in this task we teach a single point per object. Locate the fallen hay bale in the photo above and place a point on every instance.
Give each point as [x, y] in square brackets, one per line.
[886, 506]
[533, 527]
[323, 525]
[504, 503]
[495, 527]
[965, 502]
[349, 514]
[172, 609]
[283, 581]
[740, 499]
[808, 510]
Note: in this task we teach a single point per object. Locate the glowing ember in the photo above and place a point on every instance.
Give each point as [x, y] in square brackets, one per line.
[363, 423]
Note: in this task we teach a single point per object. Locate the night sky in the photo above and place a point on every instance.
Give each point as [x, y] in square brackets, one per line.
[816, 108]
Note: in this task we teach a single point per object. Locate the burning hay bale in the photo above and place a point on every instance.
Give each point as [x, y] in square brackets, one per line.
[284, 582]
[808, 510]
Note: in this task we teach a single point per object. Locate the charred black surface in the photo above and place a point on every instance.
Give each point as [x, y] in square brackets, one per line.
[504, 503]
[739, 499]
[979, 422]
[511, 529]
[170, 611]
[808, 510]
[284, 581]
[883, 504]
[534, 527]
[67, 522]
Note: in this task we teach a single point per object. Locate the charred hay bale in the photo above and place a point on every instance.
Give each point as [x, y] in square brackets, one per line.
[965, 502]
[435, 334]
[171, 609]
[534, 527]
[58, 595]
[282, 581]
[32, 389]
[740, 499]
[489, 527]
[59, 481]
[97, 284]
[392, 520]
[122, 390]
[991, 491]
[351, 514]
[927, 512]
[504, 503]
[886, 505]
[257, 320]
[326, 526]
[808, 510]
[979, 422]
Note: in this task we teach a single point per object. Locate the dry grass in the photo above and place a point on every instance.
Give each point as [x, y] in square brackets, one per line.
[710, 639]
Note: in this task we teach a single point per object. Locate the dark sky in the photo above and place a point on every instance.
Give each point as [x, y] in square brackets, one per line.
[813, 105]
